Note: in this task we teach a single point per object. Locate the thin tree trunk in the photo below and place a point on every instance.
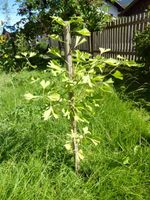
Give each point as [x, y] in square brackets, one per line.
[69, 64]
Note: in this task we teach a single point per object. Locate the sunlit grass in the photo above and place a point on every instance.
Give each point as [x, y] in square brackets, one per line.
[35, 165]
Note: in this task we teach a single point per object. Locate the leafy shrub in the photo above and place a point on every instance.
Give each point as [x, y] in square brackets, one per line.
[7, 52]
[142, 46]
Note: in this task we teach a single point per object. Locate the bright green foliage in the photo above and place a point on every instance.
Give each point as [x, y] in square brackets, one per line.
[90, 10]
[22, 45]
[142, 46]
[7, 52]
[26, 56]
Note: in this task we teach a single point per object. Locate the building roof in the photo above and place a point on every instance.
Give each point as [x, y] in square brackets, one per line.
[117, 5]
[120, 3]
[125, 3]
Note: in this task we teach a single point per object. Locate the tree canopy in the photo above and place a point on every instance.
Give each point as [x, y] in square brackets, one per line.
[39, 13]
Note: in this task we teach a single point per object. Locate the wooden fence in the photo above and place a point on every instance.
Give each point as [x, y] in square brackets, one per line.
[118, 36]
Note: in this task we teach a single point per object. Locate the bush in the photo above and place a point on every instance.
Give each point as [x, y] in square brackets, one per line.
[142, 46]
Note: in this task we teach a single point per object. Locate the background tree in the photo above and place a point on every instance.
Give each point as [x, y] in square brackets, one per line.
[39, 14]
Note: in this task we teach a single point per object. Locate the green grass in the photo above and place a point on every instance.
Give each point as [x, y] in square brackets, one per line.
[35, 165]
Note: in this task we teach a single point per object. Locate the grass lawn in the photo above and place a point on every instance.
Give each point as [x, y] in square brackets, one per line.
[34, 164]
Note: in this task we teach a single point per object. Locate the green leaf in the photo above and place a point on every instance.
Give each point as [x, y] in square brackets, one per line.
[55, 67]
[68, 147]
[112, 62]
[78, 119]
[30, 96]
[44, 84]
[47, 114]
[118, 75]
[98, 78]
[102, 50]
[84, 32]
[55, 52]
[95, 142]
[55, 37]
[132, 63]
[66, 113]
[109, 81]
[120, 57]
[24, 54]
[78, 20]
[54, 97]
[79, 41]
[86, 130]
[32, 54]
[86, 79]
[18, 56]
[59, 20]
[107, 86]
[80, 155]
[33, 80]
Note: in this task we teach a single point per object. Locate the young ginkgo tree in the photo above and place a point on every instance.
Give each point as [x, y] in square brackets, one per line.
[71, 90]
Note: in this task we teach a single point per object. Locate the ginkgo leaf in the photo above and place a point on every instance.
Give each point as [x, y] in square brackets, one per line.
[112, 62]
[18, 56]
[30, 96]
[78, 119]
[32, 54]
[33, 80]
[24, 54]
[86, 130]
[54, 97]
[59, 20]
[47, 114]
[66, 113]
[44, 84]
[76, 19]
[55, 67]
[84, 32]
[118, 75]
[95, 142]
[55, 115]
[79, 41]
[120, 57]
[68, 147]
[80, 155]
[55, 37]
[102, 50]
[86, 79]
[55, 52]
[109, 81]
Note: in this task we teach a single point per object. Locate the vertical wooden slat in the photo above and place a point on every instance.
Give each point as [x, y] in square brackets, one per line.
[125, 36]
[110, 41]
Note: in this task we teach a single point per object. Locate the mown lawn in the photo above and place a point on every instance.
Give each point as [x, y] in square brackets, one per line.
[35, 165]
